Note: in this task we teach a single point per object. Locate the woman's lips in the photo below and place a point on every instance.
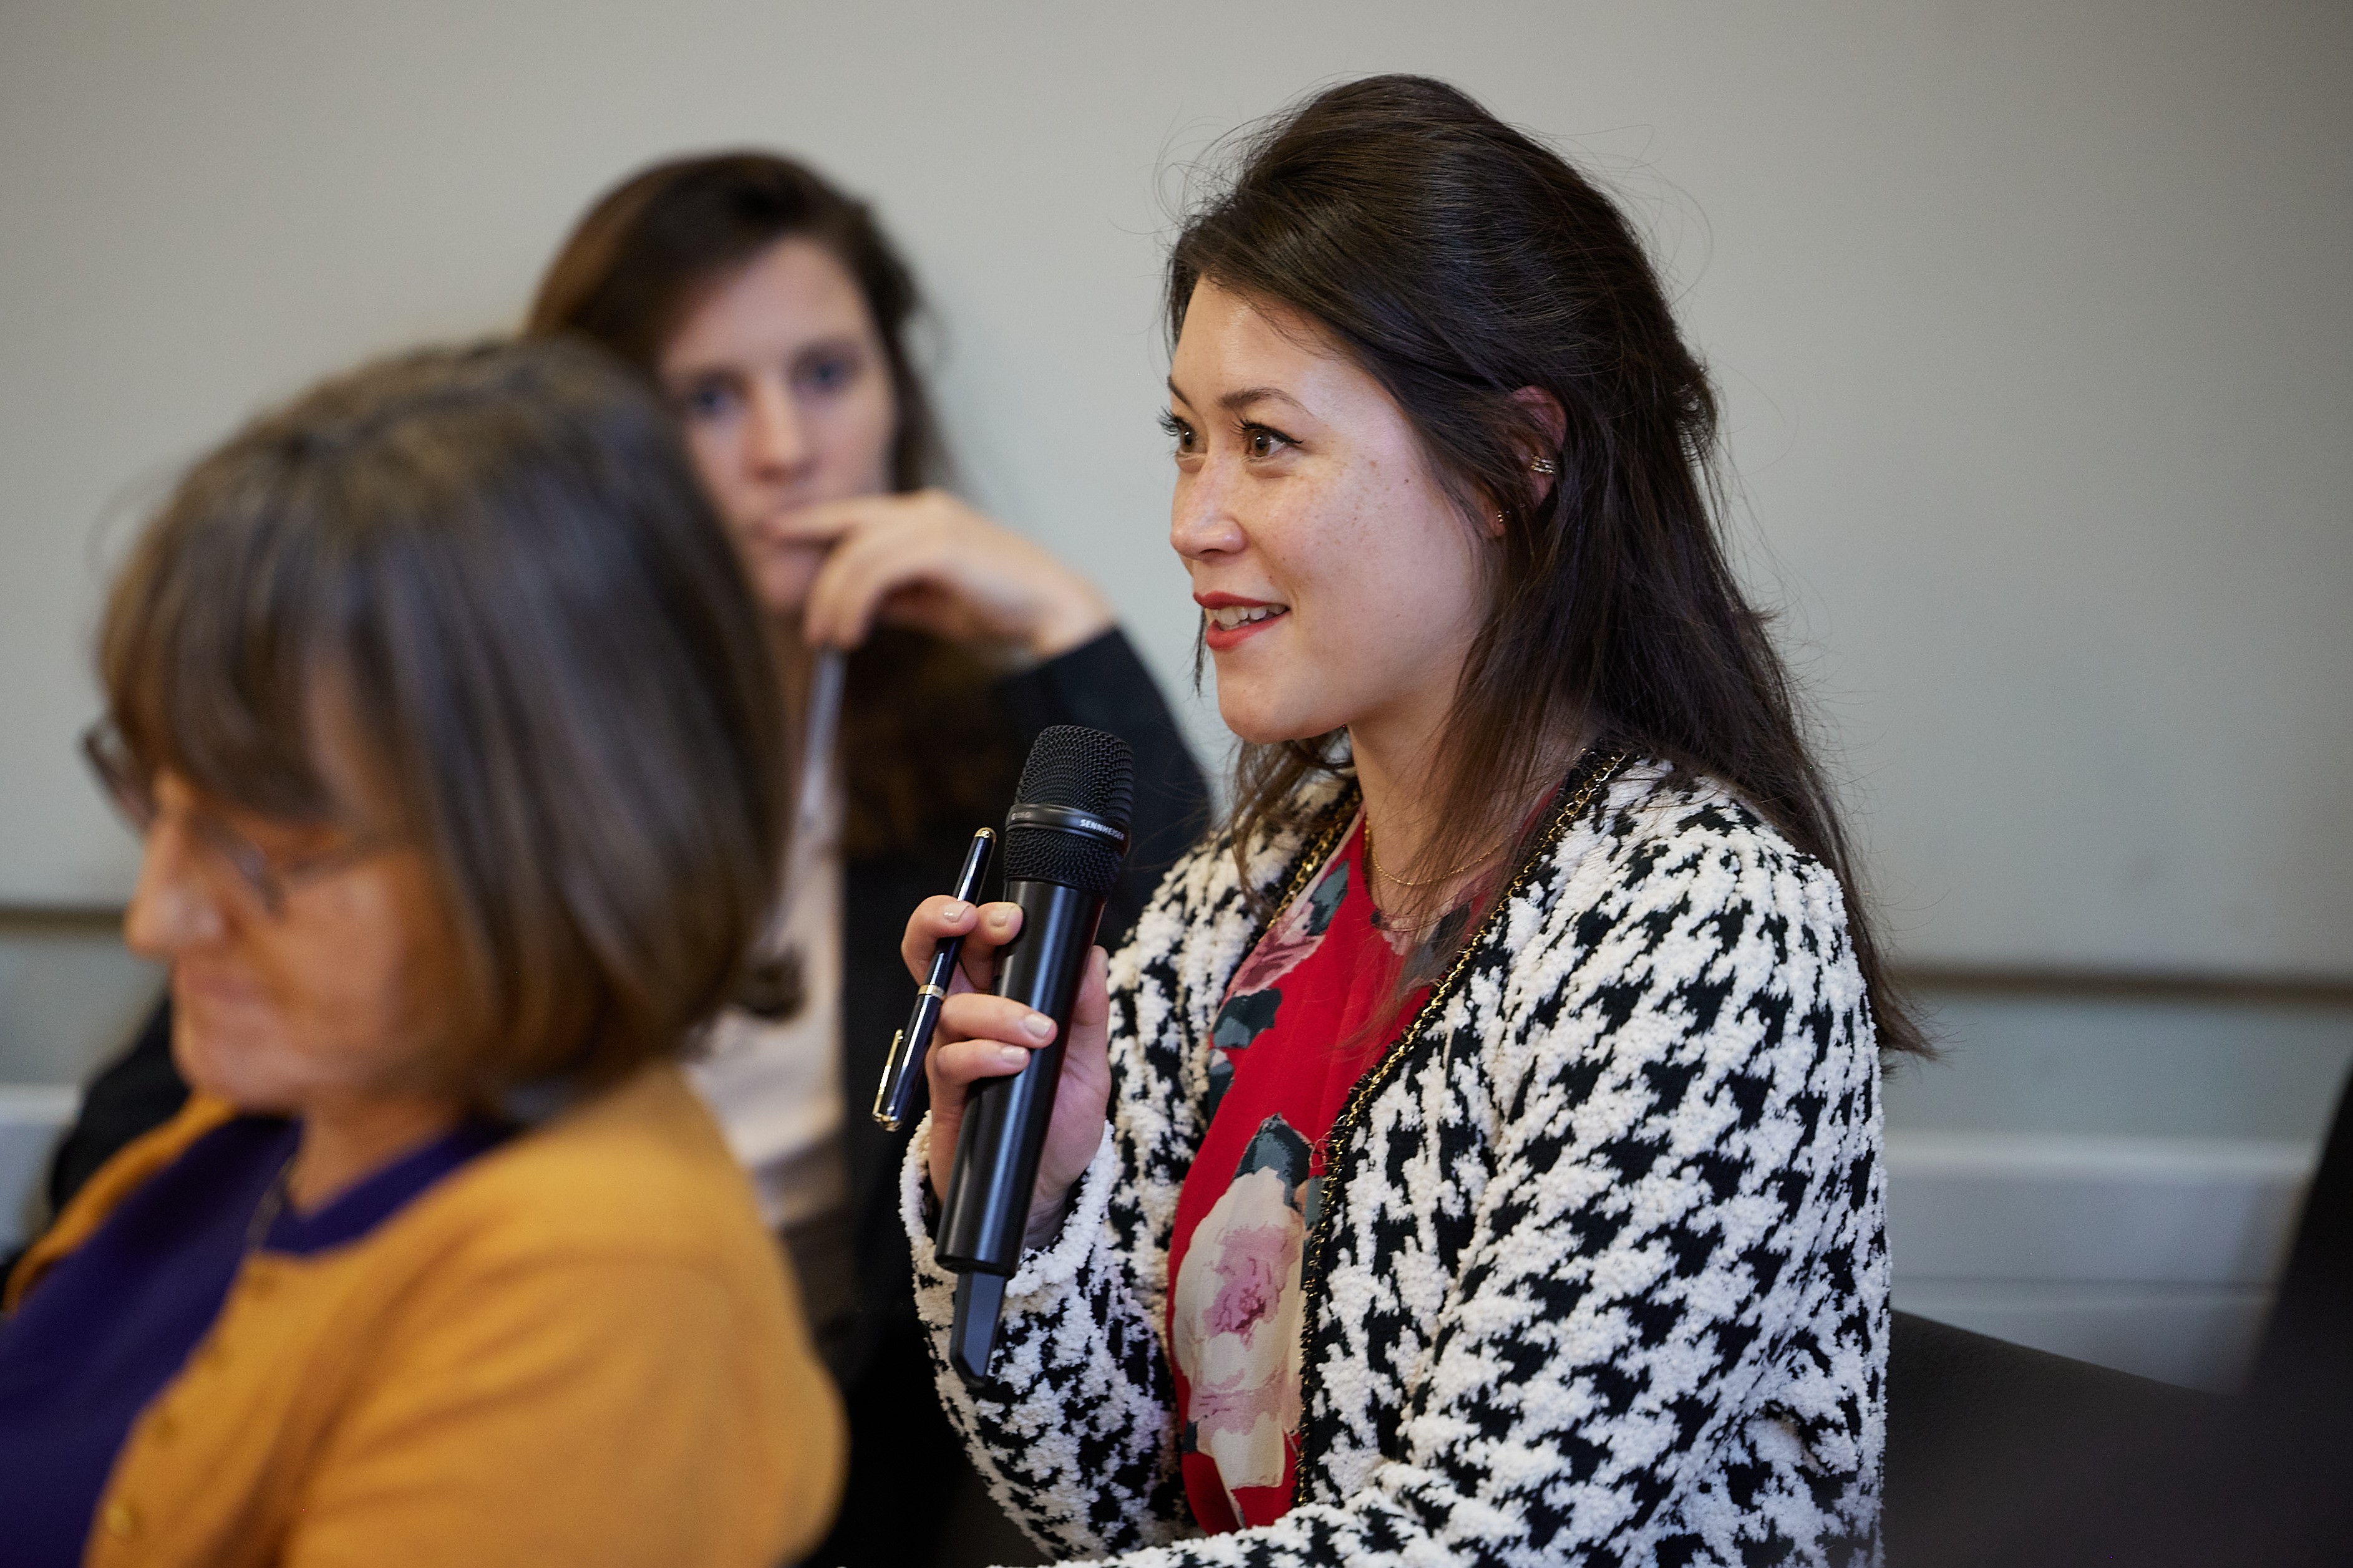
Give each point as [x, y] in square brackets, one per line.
[1228, 621]
[199, 988]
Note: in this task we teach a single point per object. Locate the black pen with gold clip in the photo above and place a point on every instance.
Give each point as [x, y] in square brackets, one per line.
[906, 1065]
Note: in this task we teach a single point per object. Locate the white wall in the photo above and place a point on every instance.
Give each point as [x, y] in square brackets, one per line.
[2034, 322]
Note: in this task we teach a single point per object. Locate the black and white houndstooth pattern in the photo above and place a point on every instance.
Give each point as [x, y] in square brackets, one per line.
[1608, 1284]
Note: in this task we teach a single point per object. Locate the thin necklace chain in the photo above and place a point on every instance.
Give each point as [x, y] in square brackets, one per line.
[1372, 863]
[272, 1205]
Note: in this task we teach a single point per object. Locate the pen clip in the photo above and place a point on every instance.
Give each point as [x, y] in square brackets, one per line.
[885, 1112]
[894, 1094]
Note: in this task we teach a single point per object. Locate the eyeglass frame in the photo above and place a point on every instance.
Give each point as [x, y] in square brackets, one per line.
[133, 795]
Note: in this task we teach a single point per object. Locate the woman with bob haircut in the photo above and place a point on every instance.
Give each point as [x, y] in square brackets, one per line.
[440, 705]
[1493, 1167]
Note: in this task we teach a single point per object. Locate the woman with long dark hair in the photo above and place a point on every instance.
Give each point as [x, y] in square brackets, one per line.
[1493, 1169]
[772, 313]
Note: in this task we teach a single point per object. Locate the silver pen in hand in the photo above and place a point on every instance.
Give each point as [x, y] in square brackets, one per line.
[906, 1067]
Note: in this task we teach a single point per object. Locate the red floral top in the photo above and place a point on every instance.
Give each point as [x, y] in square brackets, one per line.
[1311, 1009]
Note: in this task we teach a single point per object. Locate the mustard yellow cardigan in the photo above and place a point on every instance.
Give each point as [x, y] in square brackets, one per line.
[579, 1349]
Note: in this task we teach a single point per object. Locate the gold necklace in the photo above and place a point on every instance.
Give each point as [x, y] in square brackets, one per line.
[1373, 864]
[272, 1205]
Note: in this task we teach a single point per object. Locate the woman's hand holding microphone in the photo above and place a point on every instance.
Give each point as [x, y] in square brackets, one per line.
[982, 1035]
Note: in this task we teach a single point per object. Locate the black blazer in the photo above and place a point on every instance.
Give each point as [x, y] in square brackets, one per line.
[1103, 685]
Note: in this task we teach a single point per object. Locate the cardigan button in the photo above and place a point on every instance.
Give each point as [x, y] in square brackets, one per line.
[121, 1520]
[162, 1428]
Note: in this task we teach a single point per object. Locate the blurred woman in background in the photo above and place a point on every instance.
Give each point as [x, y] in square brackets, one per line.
[773, 315]
[447, 722]
[1493, 1164]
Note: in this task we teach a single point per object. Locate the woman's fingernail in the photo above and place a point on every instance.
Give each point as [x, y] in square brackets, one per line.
[1037, 1025]
[1012, 1056]
[952, 911]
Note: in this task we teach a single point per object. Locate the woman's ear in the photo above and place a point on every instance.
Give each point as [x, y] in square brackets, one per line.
[1546, 410]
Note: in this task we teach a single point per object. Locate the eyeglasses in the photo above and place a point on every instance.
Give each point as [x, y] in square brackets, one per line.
[131, 788]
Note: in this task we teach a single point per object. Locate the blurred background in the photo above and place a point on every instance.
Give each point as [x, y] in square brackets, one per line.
[2034, 323]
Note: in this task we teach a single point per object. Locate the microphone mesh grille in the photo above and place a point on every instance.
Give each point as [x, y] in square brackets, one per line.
[1084, 770]
[1067, 860]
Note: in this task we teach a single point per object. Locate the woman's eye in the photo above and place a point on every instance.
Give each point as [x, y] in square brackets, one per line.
[706, 400]
[1260, 441]
[1179, 432]
[830, 373]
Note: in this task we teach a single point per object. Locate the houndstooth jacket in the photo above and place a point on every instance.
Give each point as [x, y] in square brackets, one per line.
[1601, 1275]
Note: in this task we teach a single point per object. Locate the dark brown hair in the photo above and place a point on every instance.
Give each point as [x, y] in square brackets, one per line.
[644, 253]
[1458, 261]
[498, 563]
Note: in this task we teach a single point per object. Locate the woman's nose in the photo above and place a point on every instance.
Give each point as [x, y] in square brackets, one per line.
[1200, 521]
[780, 441]
[174, 907]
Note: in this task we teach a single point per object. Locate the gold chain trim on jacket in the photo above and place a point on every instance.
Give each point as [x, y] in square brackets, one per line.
[1339, 1144]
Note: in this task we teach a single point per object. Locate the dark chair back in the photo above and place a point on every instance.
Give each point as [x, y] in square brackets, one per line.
[2308, 1351]
[1986, 1440]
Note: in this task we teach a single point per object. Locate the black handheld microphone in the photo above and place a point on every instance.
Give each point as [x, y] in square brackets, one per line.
[1064, 840]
